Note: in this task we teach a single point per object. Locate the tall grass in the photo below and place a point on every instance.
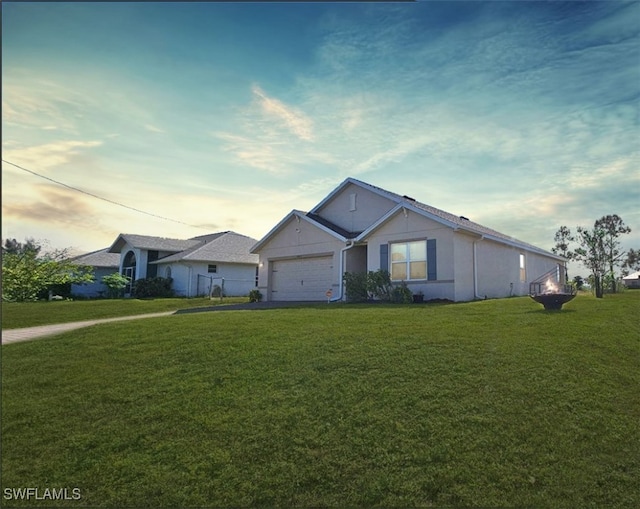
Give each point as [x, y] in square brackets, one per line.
[494, 403]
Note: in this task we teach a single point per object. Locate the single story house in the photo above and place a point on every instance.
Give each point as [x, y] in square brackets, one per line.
[104, 263]
[197, 265]
[632, 280]
[359, 227]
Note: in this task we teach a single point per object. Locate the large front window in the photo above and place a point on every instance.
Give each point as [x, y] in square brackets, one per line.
[409, 260]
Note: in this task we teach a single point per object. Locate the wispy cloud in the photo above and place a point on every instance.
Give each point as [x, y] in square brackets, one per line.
[153, 129]
[296, 121]
[50, 155]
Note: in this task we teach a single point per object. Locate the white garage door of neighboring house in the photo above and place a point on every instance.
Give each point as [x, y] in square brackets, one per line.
[302, 278]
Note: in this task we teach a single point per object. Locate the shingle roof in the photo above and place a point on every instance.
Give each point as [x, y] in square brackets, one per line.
[152, 243]
[333, 227]
[455, 221]
[229, 247]
[100, 258]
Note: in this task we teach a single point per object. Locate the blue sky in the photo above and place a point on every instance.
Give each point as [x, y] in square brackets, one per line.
[522, 116]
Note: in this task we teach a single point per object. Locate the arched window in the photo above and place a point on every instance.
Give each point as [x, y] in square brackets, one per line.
[167, 272]
[129, 270]
[129, 260]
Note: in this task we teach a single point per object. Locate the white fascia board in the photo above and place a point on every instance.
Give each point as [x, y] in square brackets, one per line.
[395, 210]
[258, 245]
[113, 248]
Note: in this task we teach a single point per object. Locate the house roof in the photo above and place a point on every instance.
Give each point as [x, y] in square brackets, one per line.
[100, 258]
[152, 243]
[405, 202]
[229, 247]
[635, 275]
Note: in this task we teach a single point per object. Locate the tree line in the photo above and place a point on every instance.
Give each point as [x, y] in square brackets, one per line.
[28, 271]
[599, 249]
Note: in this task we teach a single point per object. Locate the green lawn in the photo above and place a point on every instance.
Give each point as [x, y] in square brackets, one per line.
[31, 314]
[493, 404]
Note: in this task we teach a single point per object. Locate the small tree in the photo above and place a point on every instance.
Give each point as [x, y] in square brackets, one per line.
[632, 262]
[578, 281]
[592, 254]
[612, 226]
[26, 273]
[115, 283]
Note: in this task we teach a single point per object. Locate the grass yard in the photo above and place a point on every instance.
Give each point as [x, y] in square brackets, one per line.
[493, 404]
[31, 314]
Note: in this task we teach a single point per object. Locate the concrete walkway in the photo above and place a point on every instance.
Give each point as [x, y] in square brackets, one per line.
[15, 335]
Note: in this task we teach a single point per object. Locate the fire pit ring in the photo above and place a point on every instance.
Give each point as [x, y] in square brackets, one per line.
[551, 289]
[553, 301]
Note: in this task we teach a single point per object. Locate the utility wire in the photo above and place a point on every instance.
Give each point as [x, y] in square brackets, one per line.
[100, 197]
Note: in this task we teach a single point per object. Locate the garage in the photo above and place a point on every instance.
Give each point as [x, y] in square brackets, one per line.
[302, 278]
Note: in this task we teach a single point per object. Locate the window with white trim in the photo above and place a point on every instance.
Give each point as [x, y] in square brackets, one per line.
[409, 260]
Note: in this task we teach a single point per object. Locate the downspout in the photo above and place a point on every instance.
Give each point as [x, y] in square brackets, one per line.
[350, 244]
[475, 268]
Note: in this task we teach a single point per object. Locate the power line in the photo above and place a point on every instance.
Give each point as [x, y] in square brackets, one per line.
[99, 197]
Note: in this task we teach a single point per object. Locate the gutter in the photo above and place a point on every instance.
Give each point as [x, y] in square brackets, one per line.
[475, 268]
[350, 244]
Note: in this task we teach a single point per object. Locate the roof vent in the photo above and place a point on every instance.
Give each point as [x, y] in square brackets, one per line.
[409, 198]
[465, 218]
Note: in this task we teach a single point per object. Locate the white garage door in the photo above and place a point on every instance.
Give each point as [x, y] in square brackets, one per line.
[302, 278]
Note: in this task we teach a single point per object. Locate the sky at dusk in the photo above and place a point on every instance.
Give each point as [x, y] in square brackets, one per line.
[522, 116]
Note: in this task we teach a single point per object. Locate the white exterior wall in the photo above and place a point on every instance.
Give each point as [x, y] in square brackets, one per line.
[498, 268]
[417, 227]
[239, 278]
[463, 267]
[369, 208]
[297, 239]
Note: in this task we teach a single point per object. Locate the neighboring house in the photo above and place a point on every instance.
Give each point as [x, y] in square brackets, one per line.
[632, 280]
[359, 227]
[104, 263]
[196, 265]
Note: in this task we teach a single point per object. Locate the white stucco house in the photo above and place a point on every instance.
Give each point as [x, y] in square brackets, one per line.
[359, 227]
[632, 280]
[195, 265]
[104, 263]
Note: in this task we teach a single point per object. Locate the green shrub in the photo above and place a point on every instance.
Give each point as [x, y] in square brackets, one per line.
[255, 296]
[153, 287]
[401, 294]
[356, 286]
[379, 284]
